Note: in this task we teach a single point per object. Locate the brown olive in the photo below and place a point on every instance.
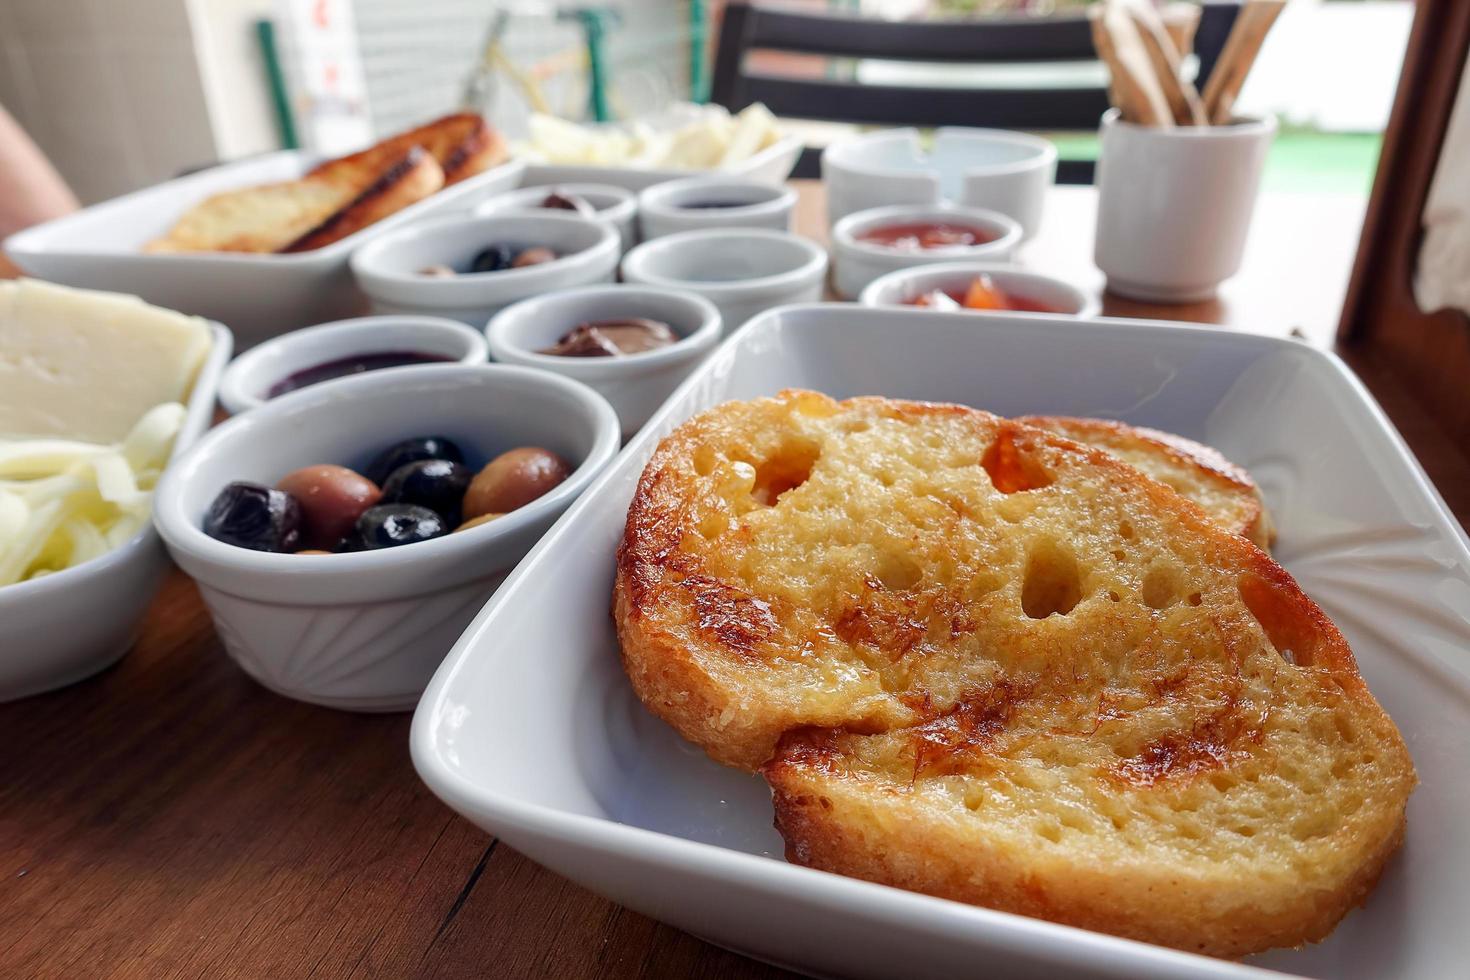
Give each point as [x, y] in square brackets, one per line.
[313, 551]
[438, 272]
[535, 255]
[477, 521]
[332, 498]
[513, 479]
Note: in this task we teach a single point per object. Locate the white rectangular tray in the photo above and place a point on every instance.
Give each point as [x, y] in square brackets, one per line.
[531, 730]
[256, 296]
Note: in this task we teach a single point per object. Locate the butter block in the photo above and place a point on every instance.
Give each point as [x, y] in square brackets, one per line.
[87, 365]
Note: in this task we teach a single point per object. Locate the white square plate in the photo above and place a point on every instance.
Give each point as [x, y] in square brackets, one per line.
[531, 730]
[256, 296]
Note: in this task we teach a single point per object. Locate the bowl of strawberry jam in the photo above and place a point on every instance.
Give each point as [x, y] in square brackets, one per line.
[979, 287]
[875, 242]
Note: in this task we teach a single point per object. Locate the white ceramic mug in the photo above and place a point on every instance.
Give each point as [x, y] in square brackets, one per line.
[1174, 205]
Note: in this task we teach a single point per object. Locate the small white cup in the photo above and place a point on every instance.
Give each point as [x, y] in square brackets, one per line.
[901, 288]
[387, 268]
[249, 378]
[674, 206]
[615, 205]
[1174, 205]
[743, 271]
[634, 384]
[858, 263]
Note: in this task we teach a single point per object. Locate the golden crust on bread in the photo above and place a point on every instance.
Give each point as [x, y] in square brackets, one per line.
[410, 178]
[1197, 472]
[341, 196]
[982, 661]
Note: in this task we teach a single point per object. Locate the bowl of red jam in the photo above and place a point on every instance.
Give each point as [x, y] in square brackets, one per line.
[875, 242]
[979, 287]
[303, 358]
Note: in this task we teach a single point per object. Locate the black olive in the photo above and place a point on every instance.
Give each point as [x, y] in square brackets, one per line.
[436, 484]
[411, 451]
[493, 258]
[390, 525]
[257, 517]
[563, 201]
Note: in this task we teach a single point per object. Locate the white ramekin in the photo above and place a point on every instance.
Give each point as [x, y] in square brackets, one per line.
[741, 270]
[618, 206]
[247, 381]
[635, 384]
[365, 631]
[903, 286]
[857, 263]
[664, 209]
[387, 268]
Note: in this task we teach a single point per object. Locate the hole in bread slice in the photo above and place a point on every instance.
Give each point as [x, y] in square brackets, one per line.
[1286, 619]
[1011, 468]
[1052, 584]
[788, 468]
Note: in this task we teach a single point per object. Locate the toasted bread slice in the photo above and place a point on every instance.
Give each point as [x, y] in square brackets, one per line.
[254, 219]
[463, 144]
[979, 660]
[1198, 472]
[404, 180]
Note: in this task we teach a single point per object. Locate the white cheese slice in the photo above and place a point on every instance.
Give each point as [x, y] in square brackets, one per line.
[86, 365]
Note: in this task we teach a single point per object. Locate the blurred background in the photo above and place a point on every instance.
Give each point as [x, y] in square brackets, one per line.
[122, 95]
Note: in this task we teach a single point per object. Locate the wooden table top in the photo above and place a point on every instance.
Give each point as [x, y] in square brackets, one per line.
[169, 817]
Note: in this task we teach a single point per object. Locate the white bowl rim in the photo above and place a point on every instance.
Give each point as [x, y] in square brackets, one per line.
[235, 398]
[702, 337]
[814, 264]
[182, 532]
[364, 260]
[1045, 151]
[1087, 305]
[844, 232]
[660, 198]
[1241, 127]
[104, 564]
[624, 204]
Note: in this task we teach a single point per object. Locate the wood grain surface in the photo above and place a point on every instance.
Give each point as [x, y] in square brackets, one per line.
[170, 818]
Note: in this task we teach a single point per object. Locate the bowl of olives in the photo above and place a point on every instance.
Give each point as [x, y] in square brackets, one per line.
[631, 344]
[468, 268]
[344, 535]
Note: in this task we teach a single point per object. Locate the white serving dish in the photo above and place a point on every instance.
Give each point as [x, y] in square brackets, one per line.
[387, 268]
[365, 631]
[259, 296]
[856, 263]
[616, 205]
[664, 209]
[743, 271]
[614, 800]
[69, 625]
[247, 381]
[994, 169]
[636, 384]
[771, 166]
[903, 286]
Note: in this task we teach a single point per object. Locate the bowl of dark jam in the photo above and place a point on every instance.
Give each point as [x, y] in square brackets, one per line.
[341, 349]
[714, 202]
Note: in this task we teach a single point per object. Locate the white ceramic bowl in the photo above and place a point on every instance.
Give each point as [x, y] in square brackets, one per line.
[365, 631]
[69, 625]
[635, 384]
[902, 287]
[994, 169]
[388, 269]
[247, 381]
[617, 206]
[664, 209]
[615, 800]
[259, 296]
[741, 270]
[857, 263]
